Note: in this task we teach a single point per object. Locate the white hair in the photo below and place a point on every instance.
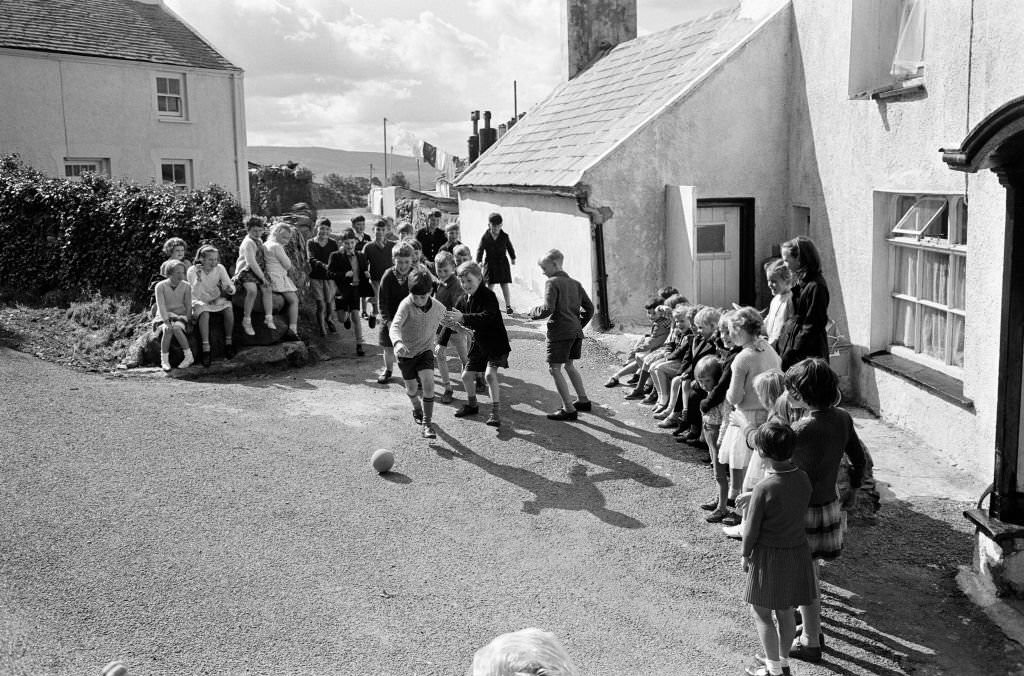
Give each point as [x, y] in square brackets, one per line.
[527, 652]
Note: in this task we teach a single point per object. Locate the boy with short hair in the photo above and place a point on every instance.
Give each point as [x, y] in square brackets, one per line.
[393, 289]
[321, 286]
[452, 233]
[406, 231]
[378, 259]
[413, 330]
[359, 227]
[448, 293]
[661, 324]
[348, 267]
[568, 309]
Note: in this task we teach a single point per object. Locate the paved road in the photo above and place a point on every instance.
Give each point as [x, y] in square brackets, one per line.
[235, 527]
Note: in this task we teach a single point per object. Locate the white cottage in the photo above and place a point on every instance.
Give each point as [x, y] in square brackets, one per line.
[686, 156]
[119, 87]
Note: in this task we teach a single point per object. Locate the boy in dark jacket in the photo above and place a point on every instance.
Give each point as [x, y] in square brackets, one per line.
[568, 309]
[321, 284]
[348, 268]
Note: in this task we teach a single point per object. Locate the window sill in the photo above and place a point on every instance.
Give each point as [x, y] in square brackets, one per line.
[174, 120]
[944, 386]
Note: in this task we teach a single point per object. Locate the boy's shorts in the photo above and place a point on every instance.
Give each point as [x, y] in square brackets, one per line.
[560, 351]
[478, 361]
[411, 366]
[347, 299]
[384, 335]
[458, 341]
[322, 290]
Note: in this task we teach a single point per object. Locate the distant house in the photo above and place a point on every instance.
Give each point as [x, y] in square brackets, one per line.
[686, 157]
[119, 87]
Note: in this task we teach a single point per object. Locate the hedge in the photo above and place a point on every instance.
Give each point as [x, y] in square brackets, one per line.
[101, 234]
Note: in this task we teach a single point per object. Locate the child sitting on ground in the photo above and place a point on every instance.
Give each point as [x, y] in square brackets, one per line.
[479, 311]
[642, 389]
[348, 267]
[211, 289]
[449, 292]
[173, 312]
[413, 330]
[661, 323]
[321, 286]
[684, 398]
[278, 266]
[568, 309]
[393, 289]
[249, 273]
[668, 365]
[776, 556]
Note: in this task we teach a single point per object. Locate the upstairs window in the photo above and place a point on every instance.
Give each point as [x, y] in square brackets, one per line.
[74, 167]
[170, 96]
[887, 47]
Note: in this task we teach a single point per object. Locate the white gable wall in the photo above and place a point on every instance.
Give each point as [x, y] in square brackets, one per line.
[104, 108]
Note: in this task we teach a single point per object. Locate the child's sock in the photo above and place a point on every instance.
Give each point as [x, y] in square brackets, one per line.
[228, 340]
[206, 346]
[495, 407]
[471, 399]
[165, 361]
[294, 328]
[428, 410]
[774, 666]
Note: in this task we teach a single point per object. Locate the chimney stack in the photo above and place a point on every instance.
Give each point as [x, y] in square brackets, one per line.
[591, 27]
[488, 135]
[474, 140]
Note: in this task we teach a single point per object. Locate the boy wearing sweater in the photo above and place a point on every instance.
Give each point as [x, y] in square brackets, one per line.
[568, 309]
[413, 331]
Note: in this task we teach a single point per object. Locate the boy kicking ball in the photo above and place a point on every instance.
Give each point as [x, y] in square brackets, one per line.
[568, 309]
[413, 332]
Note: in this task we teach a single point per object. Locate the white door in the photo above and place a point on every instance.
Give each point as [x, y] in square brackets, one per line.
[717, 256]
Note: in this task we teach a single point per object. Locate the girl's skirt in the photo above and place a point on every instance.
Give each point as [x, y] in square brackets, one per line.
[755, 472]
[824, 526]
[733, 449]
[780, 578]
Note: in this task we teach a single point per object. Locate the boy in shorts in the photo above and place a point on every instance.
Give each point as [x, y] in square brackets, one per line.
[448, 293]
[393, 289]
[378, 259]
[568, 309]
[321, 286]
[413, 331]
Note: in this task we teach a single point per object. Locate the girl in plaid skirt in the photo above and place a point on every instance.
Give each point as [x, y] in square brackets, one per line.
[823, 435]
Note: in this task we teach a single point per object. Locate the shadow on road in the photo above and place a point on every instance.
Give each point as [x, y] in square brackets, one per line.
[579, 493]
[396, 477]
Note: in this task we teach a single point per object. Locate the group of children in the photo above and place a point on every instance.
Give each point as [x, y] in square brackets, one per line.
[775, 439]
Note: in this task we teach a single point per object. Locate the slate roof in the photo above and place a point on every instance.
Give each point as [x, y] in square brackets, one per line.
[587, 117]
[114, 29]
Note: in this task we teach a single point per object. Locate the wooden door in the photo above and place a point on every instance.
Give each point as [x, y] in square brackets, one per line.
[717, 256]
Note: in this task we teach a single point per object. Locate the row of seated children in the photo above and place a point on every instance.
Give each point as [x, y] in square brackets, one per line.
[193, 294]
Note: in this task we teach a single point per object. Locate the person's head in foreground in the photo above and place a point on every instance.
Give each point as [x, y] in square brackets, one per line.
[527, 652]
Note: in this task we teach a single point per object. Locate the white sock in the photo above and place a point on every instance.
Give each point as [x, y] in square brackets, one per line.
[774, 666]
[784, 662]
[187, 352]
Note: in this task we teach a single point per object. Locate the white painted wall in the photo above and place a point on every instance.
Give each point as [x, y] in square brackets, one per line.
[57, 106]
[535, 224]
[842, 151]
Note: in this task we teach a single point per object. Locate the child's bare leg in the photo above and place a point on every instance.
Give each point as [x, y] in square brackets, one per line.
[412, 391]
[811, 614]
[389, 359]
[179, 335]
[766, 631]
[229, 324]
[268, 305]
[251, 290]
[357, 328]
[735, 482]
[491, 374]
[292, 300]
[562, 385]
[674, 391]
[628, 369]
[787, 630]
[442, 368]
[166, 334]
[204, 330]
[469, 382]
[577, 381]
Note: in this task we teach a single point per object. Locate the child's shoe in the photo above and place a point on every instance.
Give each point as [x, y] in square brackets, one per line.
[612, 382]
[633, 379]
[230, 351]
[206, 359]
[668, 422]
[448, 396]
[467, 410]
[508, 310]
[331, 326]
[165, 361]
[710, 505]
[247, 326]
[717, 516]
[428, 431]
[383, 378]
[269, 321]
[359, 351]
[734, 532]
[651, 398]
[584, 406]
[493, 420]
[290, 336]
[417, 416]
[187, 361]
[660, 412]
[562, 414]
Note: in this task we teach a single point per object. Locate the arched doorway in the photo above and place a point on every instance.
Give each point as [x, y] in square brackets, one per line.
[997, 144]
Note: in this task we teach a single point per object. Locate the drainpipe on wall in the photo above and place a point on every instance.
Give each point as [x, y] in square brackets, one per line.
[598, 216]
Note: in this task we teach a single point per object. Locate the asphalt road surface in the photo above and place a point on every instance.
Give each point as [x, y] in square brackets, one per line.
[235, 527]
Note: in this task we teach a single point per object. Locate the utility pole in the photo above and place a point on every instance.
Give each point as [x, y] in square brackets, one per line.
[385, 181]
[419, 182]
[515, 99]
[371, 172]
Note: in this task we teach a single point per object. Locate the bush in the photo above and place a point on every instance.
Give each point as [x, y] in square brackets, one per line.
[102, 234]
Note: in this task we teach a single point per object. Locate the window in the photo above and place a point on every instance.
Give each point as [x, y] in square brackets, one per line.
[170, 96]
[710, 238]
[928, 262]
[74, 167]
[177, 173]
[887, 48]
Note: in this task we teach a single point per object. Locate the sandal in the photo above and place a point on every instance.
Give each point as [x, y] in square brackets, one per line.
[717, 516]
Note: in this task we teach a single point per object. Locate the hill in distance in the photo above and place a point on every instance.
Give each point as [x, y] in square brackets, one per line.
[323, 161]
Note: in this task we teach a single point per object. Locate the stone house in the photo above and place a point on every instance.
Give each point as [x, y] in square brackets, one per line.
[686, 157]
[123, 88]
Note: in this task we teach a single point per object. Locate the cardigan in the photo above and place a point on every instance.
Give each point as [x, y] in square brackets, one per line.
[717, 396]
[567, 307]
[415, 327]
[822, 438]
[319, 256]
[392, 291]
[754, 359]
[482, 314]
[775, 515]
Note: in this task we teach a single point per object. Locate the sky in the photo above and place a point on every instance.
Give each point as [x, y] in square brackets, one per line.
[327, 72]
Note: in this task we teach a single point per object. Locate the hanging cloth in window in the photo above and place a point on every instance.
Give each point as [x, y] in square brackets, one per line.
[909, 58]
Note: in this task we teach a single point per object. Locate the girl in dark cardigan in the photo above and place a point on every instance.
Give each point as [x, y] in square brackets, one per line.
[494, 244]
[804, 334]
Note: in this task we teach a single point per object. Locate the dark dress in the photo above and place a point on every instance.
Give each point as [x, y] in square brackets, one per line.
[492, 252]
[804, 333]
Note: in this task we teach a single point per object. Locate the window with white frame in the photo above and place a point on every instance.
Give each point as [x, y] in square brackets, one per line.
[177, 173]
[170, 96]
[887, 47]
[928, 263]
[75, 167]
